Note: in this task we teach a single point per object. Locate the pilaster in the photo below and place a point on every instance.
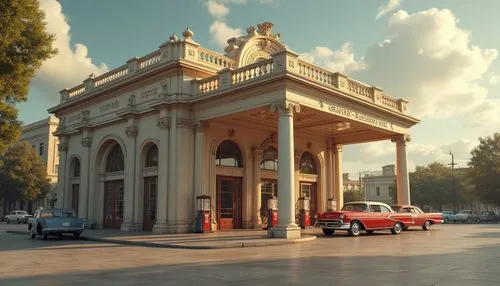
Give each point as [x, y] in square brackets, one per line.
[163, 124]
[61, 174]
[83, 200]
[130, 175]
[256, 183]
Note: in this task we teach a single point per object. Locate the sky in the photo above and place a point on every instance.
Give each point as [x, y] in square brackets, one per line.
[441, 55]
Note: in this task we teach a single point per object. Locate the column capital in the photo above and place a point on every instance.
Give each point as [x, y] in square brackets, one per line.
[285, 107]
[201, 126]
[163, 122]
[401, 138]
[184, 122]
[86, 142]
[338, 147]
[62, 146]
[132, 131]
[257, 152]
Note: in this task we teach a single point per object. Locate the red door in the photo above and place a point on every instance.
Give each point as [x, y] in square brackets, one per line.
[149, 210]
[229, 203]
[113, 204]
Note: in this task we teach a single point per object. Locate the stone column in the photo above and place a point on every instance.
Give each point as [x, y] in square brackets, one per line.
[172, 173]
[130, 173]
[61, 173]
[402, 182]
[161, 200]
[200, 169]
[256, 183]
[286, 227]
[330, 167]
[83, 208]
[338, 179]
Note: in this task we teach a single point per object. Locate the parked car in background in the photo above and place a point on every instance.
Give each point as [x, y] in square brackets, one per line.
[16, 216]
[357, 216]
[466, 216]
[419, 218]
[448, 216]
[56, 222]
[488, 216]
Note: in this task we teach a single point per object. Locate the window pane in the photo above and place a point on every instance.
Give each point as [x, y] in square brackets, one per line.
[229, 154]
[152, 157]
[115, 161]
[308, 164]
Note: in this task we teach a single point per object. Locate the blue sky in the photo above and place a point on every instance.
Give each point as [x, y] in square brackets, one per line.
[440, 55]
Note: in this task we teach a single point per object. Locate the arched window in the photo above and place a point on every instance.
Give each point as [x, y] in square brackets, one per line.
[307, 164]
[152, 157]
[229, 154]
[76, 168]
[269, 159]
[115, 161]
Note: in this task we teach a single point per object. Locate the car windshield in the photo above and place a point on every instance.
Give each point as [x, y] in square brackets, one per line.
[355, 207]
[57, 214]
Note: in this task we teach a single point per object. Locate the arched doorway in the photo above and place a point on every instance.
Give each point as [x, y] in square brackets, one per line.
[229, 188]
[309, 188]
[75, 183]
[113, 189]
[150, 174]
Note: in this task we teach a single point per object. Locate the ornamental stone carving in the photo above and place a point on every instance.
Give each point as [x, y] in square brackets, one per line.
[131, 101]
[85, 116]
[163, 122]
[285, 107]
[201, 126]
[184, 123]
[63, 145]
[86, 142]
[131, 131]
[401, 138]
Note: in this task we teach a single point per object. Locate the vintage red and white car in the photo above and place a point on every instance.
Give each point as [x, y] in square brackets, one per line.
[358, 216]
[419, 218]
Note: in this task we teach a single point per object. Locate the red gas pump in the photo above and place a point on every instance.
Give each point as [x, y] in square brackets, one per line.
[304, 212]
[272, 212]
[203, 217]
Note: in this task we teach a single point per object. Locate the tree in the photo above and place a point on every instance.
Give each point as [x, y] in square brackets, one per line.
[353, 195]
[24, 45]
[23, 175]
[485, 169]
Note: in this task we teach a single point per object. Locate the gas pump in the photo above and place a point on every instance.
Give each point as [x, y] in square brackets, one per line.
[203, 217]
[304, 213]
[331, 205]
[272, 212]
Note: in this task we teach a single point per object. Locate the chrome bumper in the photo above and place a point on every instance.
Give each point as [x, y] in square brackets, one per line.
[334, 224]
[61, 230]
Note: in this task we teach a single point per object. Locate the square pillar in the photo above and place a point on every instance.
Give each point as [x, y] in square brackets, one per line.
[286, 227]
[402, 180]
[163, 124]
[256, 185]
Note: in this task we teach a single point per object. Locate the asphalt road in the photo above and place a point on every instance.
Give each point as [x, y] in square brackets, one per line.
[446, 255]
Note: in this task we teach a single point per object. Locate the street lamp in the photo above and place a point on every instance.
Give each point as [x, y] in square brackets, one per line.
[453, 182]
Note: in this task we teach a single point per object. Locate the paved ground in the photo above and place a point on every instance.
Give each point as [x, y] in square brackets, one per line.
[446, 255]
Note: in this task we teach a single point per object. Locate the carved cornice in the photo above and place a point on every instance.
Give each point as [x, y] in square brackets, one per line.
[285, 106]
[131, 131]
[86, 142]
[163, 122]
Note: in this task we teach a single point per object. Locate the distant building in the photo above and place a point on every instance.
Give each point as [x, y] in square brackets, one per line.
[39, 136]
[350, 185]
[377, 187]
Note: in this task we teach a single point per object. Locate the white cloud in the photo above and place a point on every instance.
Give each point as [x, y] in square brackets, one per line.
[428, 60]
[341, 60]
[217, 9]
[71, 65]
[220, 32]
[494, 79]
[390, 6]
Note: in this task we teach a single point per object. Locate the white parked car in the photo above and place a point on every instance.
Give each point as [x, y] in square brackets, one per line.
[16, 216]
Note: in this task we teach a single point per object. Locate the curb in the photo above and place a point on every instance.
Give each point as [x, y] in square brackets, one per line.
[265, 242]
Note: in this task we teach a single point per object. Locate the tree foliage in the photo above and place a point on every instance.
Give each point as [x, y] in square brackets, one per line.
[23, 175]
[24, 45]
[353, 195]
[432, 185]
[485, 169]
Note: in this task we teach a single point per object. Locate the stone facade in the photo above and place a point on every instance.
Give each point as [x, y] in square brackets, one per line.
[140, 143]
[377, 187]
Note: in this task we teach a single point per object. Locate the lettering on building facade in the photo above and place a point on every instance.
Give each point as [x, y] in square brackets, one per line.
[109, 106]
[147, 94]
[348, 113]
[73, 118]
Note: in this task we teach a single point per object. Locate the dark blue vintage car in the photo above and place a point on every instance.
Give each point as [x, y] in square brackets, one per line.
[55, 222]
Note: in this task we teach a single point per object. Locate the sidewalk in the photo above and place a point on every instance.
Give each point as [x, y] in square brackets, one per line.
[214, 240]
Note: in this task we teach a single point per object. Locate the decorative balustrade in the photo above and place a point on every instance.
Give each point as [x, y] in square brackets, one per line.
[255, 70]
[149, 60]
[389, 102]
[111, 76]
[208, 84]
[359, 89]
[77, 90]
[315, 73]
[213, 58]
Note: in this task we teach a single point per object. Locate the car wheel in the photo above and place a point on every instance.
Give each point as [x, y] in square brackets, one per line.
[44, 236]
[32, 234]
[426, 225]
[355, 229]
[29, 227]
[397, 228]
[8, 221]
[325, 231]
[76, 235]
[370, 232]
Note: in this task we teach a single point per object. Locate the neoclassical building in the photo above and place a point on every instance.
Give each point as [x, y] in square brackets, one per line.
[138, 144]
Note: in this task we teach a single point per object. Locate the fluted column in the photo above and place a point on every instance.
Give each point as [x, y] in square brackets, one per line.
[338, 179]
[256, 184]
[83, 200]
[161, 200]
[402, 181]
[200, 169]
[61, 173]
[130, 173]
[286, 227]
